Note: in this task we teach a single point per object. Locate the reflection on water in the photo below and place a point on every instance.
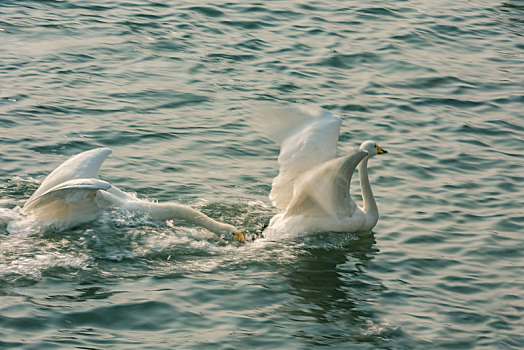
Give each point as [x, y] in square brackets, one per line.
[329, 278]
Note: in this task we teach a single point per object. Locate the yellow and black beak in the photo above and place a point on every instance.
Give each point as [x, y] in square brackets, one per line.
[240, 237]
[381, 150]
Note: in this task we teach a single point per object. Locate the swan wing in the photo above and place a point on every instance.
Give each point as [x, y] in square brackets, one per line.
[84, 165]
[324, 191]
[308, 137]
[68, 204]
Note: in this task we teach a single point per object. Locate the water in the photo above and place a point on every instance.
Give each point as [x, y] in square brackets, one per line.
[168, 86]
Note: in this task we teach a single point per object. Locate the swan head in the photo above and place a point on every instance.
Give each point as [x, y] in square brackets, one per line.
[230, 229]
[372, 148]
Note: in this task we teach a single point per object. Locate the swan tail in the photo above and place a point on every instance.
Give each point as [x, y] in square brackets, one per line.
[84, 165]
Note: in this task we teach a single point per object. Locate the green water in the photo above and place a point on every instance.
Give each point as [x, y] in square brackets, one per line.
[168, 85]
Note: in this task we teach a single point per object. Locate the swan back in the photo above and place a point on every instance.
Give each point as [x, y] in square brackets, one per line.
[308, 137]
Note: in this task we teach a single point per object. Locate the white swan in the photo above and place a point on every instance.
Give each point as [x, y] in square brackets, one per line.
[313, 186]
[73, 194]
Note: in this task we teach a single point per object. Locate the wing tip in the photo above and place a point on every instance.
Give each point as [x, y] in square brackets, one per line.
[103, 150]
[278, 122]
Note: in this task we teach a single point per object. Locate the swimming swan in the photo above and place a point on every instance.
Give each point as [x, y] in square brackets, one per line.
[73, 194]
[313, 186]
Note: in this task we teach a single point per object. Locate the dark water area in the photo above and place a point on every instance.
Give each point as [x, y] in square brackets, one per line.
[169, 87]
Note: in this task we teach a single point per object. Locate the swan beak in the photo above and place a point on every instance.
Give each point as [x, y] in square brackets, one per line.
[381, 150]
[240, 237]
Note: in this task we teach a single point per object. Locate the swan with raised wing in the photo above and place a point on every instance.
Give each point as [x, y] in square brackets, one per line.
[312, 189]
[73, 194]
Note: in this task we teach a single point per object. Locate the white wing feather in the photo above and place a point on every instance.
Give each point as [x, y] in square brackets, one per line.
[69, 191]
[67, 204]
[82, 166]
[308, 136]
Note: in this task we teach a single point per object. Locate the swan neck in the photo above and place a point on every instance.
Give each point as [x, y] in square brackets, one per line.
[370, 206]
[179, 211]
[170, 211]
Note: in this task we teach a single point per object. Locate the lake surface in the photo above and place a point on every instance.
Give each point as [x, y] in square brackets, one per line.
[169, 85]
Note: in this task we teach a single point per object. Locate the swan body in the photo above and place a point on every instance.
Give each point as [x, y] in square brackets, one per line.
[312, 189]
[73, 194]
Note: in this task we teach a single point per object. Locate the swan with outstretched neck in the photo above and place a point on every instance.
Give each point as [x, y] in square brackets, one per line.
[73, 194]
[312, 189]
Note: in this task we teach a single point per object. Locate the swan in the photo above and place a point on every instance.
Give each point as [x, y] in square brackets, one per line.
[73, 194]
[312, 188]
